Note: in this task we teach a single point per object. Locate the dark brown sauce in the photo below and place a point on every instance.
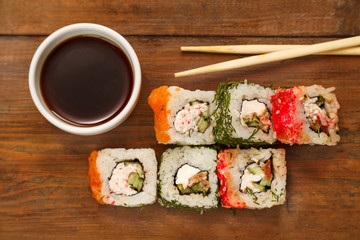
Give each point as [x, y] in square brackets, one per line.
[86, 80]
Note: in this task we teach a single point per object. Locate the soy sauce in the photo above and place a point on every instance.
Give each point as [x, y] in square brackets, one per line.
[86, 80]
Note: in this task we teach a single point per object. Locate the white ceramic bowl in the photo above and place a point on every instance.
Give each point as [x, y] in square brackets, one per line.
[68, 32]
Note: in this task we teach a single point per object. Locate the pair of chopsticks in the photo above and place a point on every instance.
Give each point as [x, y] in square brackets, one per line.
[346, 46]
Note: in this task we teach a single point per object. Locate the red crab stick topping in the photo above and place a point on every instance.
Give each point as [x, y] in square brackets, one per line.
[229, 193]
[285, 115]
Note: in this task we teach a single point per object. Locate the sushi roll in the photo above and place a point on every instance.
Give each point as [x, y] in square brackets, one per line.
[187, 178]
[252, 178]
[306, 115]
[243, 114]
[123, 177]
[181, 116]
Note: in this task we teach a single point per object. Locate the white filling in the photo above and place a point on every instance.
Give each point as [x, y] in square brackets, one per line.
[248, 178]
[251, 108]
[312, 110]
[186, 120]
[118, 182]
[184, 174]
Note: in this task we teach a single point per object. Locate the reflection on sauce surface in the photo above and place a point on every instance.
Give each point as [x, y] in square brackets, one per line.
[86, 80]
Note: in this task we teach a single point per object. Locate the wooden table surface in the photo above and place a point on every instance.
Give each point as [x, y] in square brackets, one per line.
[44, 186]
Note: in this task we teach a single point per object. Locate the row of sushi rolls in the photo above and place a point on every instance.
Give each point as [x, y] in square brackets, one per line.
[219, 159]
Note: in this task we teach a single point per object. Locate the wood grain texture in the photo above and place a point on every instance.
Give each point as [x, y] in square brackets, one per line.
[44, 191]
[44, 187]
[157, 17]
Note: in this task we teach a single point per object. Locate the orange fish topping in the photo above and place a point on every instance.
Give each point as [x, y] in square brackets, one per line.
[94, 175]
[158, 100]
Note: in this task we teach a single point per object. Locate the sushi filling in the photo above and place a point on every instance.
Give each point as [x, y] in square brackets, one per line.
[316, 114]
[127, 178]
[191, 180]
[194, 117]
[256, 178]
[255, 114]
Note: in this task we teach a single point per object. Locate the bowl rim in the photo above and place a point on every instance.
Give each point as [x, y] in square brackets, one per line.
[73, 30]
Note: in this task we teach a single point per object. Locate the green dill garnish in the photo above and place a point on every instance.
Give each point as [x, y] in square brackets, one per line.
[318, 130]
[101, 198]
[253, 133]
[282, 193]
[142, 206]
[175, 204]
[223, 128]
[274, 195]
[162, 108]
[239, 55]
[254, 197]
[232, 211]
[289, 97]
[231, 167]
[230, 155]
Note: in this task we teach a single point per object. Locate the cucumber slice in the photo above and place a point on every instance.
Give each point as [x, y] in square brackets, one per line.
[266, 182]
[184, 191]
[203, 125]
[259, 187]
[139, 168]
[320, 101]
[197, 188]
[256, 170]
[135, 181]
[253, 124]
[194, 103]
[207, 113]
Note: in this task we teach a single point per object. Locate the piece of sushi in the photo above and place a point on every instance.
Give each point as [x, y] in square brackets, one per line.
[252, 178]
[243, 114]
[187, 178]
[181, 116]
[123, 177]
[306, 115]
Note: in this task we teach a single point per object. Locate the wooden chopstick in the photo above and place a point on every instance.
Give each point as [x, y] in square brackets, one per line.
[261, 48]
[274, 56]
